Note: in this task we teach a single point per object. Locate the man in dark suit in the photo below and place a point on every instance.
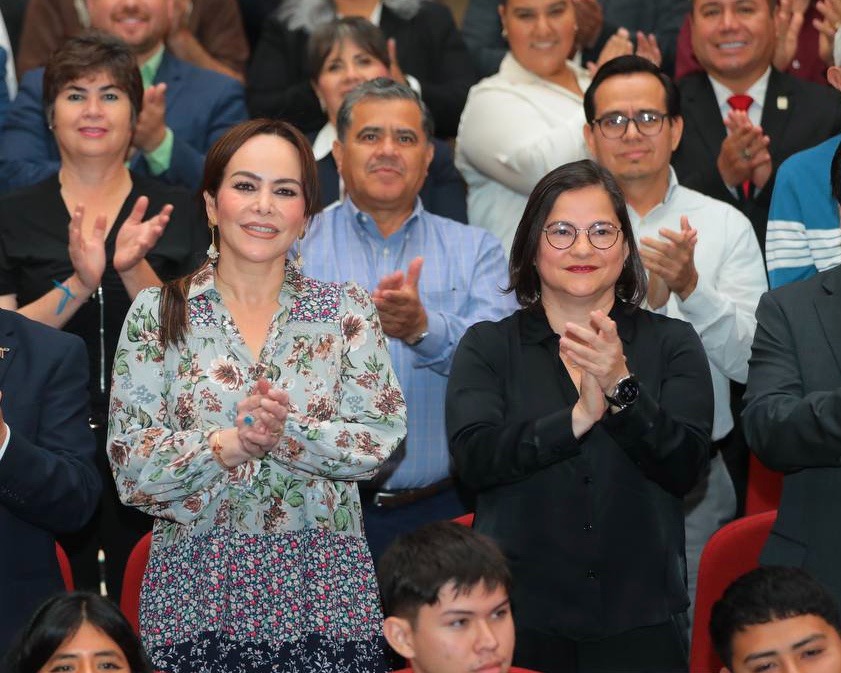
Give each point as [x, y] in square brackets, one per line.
[792, 417]
[48, 481]
[185, 108]
[742, 117]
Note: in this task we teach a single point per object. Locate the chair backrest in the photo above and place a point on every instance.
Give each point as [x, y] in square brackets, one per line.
[465, 519]
[765, 486]
[133, 579]
[730, 553]
[64, 566]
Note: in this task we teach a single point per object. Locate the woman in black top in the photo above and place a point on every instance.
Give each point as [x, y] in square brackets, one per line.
[83, 277]
[580, 422]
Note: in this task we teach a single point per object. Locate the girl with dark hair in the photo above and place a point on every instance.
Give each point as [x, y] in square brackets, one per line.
[77, 631]
[580, 422]
[247, 401]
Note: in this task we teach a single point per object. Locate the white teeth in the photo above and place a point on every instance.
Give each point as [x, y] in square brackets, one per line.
[731, 45]
[543, 45]
[264, 230]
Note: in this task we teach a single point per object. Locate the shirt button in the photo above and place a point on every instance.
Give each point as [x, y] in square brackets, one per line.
[588, 480]
[592, 574]
[588, 527]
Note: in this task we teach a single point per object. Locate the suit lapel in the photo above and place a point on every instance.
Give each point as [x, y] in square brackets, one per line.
[828, 307]
[776, 110]
[170, 72]
[701, 103]
[9, 346]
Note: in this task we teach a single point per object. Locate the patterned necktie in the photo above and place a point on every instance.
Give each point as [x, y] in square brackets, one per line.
[741, 101]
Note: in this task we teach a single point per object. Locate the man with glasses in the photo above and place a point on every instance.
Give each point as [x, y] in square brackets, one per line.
[703, 261]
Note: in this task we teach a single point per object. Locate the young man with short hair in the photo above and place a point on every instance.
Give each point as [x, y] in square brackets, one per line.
[445, 598]
[780, 619]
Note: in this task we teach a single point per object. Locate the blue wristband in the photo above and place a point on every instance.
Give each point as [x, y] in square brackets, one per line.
[68, 295]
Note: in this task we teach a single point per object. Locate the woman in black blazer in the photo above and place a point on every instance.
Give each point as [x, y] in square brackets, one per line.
[580, 422]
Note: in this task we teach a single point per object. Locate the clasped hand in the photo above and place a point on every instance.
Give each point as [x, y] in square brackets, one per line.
[260, 422]
[744, 152]
[597, 350]
[397, 299]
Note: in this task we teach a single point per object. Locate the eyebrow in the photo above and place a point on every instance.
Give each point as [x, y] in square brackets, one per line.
[502, 604]
[76, 87]
[800, 643]
[254, 176]
[103, 653]
[380, 129]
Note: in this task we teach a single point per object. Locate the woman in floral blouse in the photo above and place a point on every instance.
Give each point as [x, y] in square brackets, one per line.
[247, 400]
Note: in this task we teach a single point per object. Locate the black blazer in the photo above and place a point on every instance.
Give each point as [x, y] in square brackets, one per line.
[796, 115]
[429, 47]
[443, 192]
[48, 481]
[592, 527]
[792, 420]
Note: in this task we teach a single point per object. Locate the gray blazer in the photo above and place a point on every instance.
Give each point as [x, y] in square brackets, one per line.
[792, 420]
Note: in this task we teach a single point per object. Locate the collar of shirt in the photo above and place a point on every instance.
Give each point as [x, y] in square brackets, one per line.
[323, 143]
[670, 190]
[515, 73]
[9, 75]
[204, 283]
[375, 15]
[535, 327]
[756, 91]
[369, 227]
[149, 70]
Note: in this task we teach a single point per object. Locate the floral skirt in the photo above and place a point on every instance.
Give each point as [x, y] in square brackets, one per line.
[296, 602]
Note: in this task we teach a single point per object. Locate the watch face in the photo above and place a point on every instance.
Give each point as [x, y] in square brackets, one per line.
[627, 391]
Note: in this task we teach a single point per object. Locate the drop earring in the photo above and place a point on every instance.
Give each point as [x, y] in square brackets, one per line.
[212, 250]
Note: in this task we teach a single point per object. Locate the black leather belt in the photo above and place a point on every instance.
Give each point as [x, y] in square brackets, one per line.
[404, 496]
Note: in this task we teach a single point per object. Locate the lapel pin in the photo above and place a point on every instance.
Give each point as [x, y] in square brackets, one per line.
[3, 351]
[782, 102]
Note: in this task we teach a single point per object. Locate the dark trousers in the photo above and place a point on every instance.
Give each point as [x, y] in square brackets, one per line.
[383, 524]
[662, 648]
[114, 528]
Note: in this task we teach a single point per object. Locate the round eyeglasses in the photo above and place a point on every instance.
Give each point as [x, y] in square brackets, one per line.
[561, 235]
[614, 126]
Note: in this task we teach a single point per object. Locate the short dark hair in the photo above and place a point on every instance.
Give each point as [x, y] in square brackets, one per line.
[835, 175]
[630, 65]
[417, 565]
[524, 280]
[87, 54]
[60, 617]
[764, 595]
[361, 32]
[380, 88]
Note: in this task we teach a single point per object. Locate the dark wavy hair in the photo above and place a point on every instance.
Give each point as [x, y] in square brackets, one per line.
[60, 618]
[86, 55]
[173, 307]
[524, 279]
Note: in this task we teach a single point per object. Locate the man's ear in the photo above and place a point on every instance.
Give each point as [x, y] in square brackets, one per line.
[398, 633]
[588, 139]
[338, 154]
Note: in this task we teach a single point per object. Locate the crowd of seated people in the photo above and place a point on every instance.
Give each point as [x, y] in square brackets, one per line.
[537, 292]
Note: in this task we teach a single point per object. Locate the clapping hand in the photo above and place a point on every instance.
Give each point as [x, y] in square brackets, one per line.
[87, 251]
[137, 237]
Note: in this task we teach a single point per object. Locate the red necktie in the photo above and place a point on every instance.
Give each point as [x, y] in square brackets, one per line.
[741, 101]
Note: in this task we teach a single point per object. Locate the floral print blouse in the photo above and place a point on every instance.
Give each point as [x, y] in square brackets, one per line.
[325, 346]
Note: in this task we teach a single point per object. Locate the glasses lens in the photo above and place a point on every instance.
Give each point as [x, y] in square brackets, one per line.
[649, 123]
[602, 235]
[560, 235]
[613, 126]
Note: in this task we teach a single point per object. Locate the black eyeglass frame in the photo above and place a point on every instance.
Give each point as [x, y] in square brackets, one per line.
[588, 230]
[616, 116]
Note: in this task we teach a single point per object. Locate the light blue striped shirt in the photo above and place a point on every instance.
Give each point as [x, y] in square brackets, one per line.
[463, 272]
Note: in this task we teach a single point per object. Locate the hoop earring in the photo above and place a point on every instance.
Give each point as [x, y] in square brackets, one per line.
[212, 250]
